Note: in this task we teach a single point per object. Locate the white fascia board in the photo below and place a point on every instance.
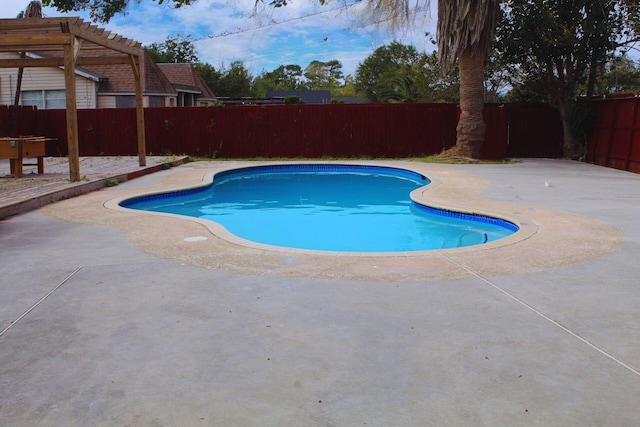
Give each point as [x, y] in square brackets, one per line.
[81, 73]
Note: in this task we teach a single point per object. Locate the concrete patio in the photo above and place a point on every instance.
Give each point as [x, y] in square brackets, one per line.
[112, 318]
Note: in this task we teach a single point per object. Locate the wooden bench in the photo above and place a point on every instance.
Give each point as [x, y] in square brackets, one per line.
[23, 147]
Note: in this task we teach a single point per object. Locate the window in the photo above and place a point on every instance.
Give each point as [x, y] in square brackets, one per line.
[54, 99]
[44, 99]
[33, 97]
[156, 101]
[125, 101]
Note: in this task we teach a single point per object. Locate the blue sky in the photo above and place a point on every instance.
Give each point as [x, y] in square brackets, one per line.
[226, 31]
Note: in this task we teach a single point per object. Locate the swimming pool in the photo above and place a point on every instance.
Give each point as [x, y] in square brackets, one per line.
[342, 208]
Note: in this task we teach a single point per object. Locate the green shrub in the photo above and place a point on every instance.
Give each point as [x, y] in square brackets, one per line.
[293, 100]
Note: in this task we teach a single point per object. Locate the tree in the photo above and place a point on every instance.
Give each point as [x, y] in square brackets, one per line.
[176, 49]
[387, 63]
[558, 50]
[210, 75]
[235, 82]
[323, 75]
[402, 91]
[347, 89]
[620, 75]
[435, 86]
[398, 68]
[102, 10]
[285, 77]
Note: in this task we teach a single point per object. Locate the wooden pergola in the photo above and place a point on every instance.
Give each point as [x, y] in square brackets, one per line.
[71, 42]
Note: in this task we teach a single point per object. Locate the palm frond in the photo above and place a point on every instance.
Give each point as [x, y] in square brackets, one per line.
[401, 91]
[33, 10]
[396, 14]
[465, 24]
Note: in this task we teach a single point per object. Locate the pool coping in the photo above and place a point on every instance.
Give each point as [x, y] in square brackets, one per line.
[525, 229]
[546, 238]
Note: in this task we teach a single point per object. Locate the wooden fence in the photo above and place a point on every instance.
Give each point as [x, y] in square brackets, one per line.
[290, 131]
[26, 121]
[614, 140]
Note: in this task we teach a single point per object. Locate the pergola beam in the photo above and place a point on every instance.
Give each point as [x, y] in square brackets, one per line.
[16, 41]
[117, 43]
[59, 62]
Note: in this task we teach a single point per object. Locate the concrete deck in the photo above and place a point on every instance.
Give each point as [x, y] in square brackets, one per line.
[110, 317]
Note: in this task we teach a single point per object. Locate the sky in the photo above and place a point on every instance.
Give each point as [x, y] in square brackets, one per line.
[225, 31]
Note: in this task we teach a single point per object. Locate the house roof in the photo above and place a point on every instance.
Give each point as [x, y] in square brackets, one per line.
[185, 77]
[117, 78]
[308, 96]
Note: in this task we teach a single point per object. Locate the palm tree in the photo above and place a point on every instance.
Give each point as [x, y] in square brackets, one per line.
[466, 29]
[402, 91]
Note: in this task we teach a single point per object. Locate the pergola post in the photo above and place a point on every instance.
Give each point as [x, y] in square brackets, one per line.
[137, 73]
[72, 112]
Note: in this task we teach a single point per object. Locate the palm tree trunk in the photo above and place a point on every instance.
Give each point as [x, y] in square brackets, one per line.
[471, 127]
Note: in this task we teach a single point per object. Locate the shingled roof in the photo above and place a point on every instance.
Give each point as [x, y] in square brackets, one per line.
[117, 78]
[185, 76]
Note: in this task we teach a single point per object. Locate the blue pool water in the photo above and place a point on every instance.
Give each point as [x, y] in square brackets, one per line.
[329, 208]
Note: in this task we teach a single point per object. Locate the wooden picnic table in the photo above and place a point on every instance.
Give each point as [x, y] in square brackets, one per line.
[23, 147]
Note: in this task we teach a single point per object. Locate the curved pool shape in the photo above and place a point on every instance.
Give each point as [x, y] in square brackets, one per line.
[327, 208]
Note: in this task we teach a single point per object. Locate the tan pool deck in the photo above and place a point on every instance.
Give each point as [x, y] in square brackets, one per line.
[116, 317]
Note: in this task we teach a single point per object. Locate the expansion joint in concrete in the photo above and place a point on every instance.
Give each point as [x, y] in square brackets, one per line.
[40, 301]
[544, 316]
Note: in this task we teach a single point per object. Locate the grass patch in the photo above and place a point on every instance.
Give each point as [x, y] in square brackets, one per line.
[435, 158]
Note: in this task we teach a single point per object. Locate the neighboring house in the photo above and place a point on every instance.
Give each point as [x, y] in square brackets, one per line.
[103, 86]
[44, 87]
[308, 96]
[97, 86]
[189, 84]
